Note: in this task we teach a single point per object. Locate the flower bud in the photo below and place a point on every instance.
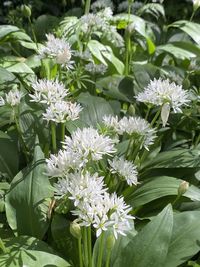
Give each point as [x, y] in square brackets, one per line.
[26, 10]
[75, 229]
[110, 242]
[196, 5]
[131, 110]
[183, 187]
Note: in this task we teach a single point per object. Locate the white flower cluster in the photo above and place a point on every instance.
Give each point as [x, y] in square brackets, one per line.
[160, 92]
[94, 206]
[62, 111]
[95, 68]
[89, 144]
[136, 127]
[57, 49]
[83, 146]
[52, 94]
[12, 98]
[125, 169]
[48, 92]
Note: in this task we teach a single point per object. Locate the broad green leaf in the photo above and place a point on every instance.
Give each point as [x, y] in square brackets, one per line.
[185, 238]
[27, 242]
[179, 158]
[94, 108]
[102, 52]
[6, 76]
[31, 258]
[9, 158]
[63, 241]
[153, 9]
[175, 51]
[150, 246]
[27, 202]
[7, 29]
[31, 123]
[191, 28]
[161, 186]
[117, 86]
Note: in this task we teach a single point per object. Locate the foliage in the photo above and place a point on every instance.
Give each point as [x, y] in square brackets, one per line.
[99, 133]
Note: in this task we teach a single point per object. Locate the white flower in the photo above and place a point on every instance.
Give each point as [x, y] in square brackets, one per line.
[48, 92]
[96, 68]
[125, 169]
[58, 49]
[159, 92]
[61, 187]
[111, 121]
[62, 111]
[85, 188]
[89, 144]
[12, 98]
[59, 165]
[139, 129]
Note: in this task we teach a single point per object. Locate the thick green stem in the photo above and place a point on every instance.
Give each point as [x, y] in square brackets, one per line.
[147, 114]
[100, 255]
[80, 252]
[53, 137]
[62, 132]
[89, 246]
[85, 244]
[155, 117]
[128, 49]
[87, 6]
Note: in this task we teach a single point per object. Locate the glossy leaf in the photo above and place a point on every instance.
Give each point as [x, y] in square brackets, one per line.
[31, 258]
[28, 200]
[157, 187]
[185, 240]
[150, 246]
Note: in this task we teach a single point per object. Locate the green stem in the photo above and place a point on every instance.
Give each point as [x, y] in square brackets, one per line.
[2, 246]
[87, 6]
[62, 132]
[85, 244]
[80, 252]
[53, 137]
[108, 258]
[128, 48]
[100, 255]
[176, 199]
[155, 117]
[33, 32]
[89, 246]
[193, 13]
[147, 114]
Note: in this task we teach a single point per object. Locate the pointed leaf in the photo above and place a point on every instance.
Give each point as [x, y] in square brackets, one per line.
[28, 200]
[150, 246]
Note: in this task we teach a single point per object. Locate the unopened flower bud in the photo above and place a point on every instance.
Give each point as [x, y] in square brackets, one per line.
[196, 4]
[131, 110]
[183, 187]
[75, 229]
[26, 10]
[110, 242]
